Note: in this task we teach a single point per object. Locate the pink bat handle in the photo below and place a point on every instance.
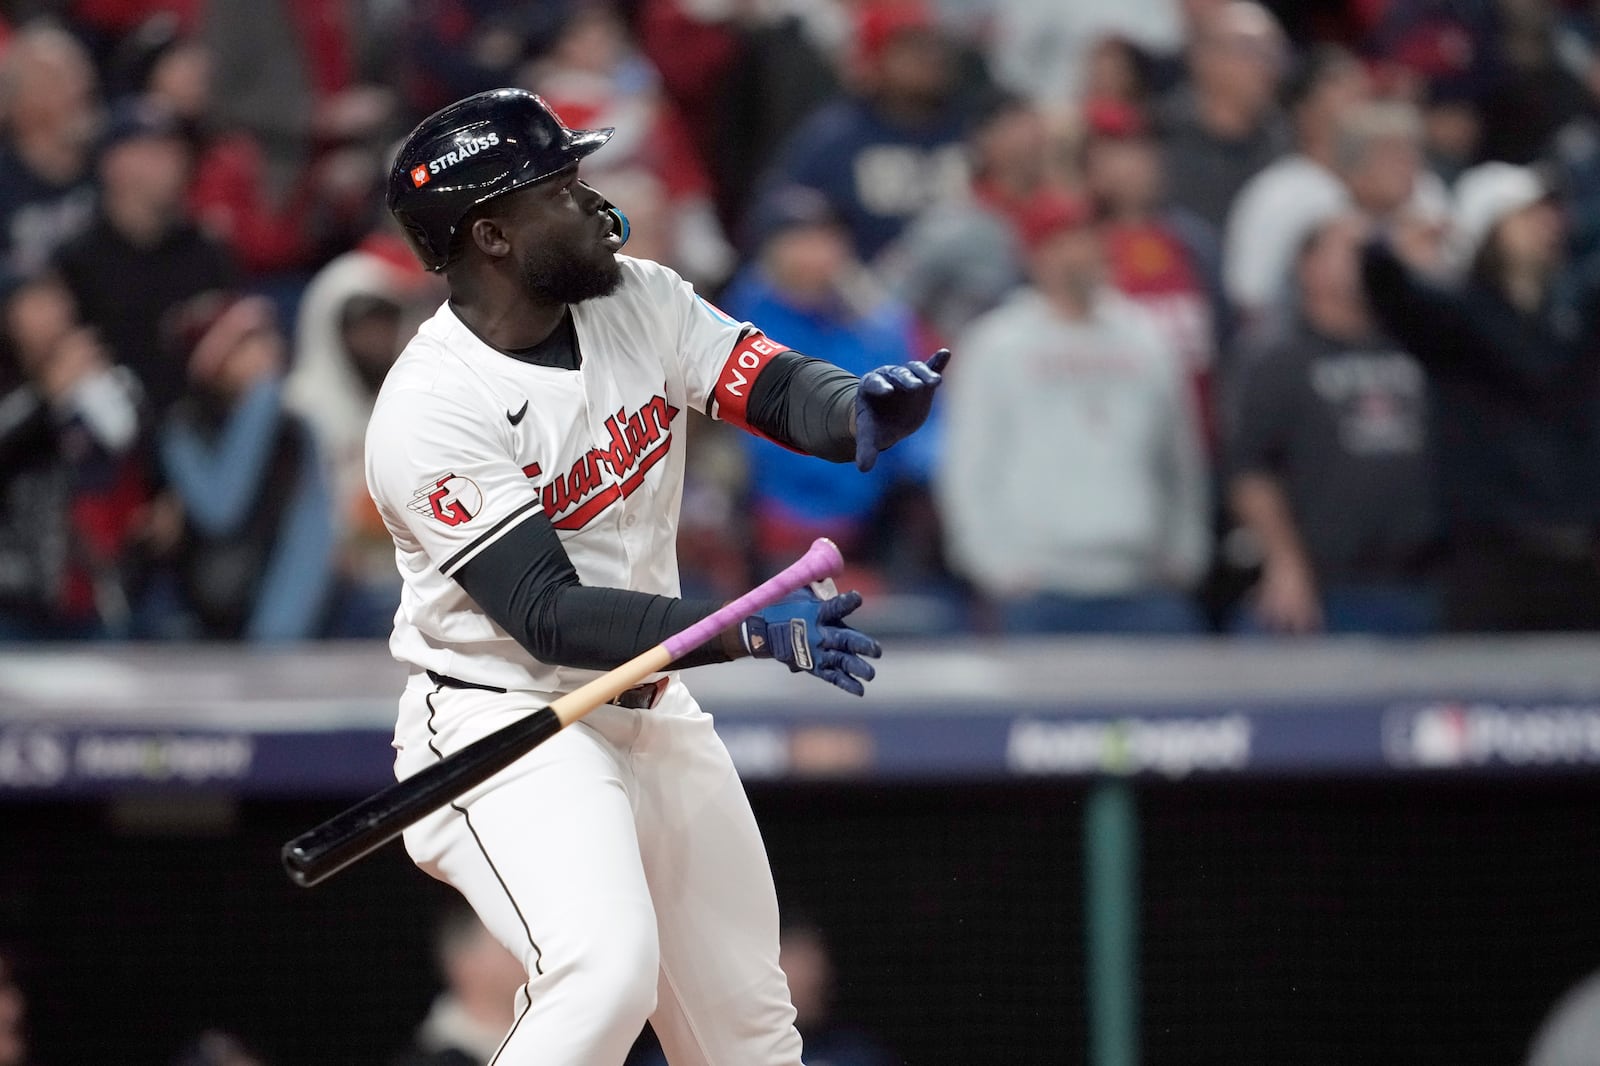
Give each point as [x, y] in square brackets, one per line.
[821, 560]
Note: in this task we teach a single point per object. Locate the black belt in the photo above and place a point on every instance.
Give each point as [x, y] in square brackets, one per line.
[638, 698]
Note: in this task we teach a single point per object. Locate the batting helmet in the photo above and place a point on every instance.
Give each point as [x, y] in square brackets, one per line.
[474, 150]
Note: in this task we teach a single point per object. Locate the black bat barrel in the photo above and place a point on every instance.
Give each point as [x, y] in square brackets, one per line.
[319, 853]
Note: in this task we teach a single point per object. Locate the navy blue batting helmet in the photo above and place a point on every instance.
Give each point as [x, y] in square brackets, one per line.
[472, 151]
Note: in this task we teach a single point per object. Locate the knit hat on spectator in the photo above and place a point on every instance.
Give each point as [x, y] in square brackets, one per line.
[135, 117]
[790, 207]
[1486, 194]
[1112, 119]
[1053, 213]
[879, 22]
[213, 324]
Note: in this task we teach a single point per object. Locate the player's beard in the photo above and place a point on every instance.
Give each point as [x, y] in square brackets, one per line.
[560, 275]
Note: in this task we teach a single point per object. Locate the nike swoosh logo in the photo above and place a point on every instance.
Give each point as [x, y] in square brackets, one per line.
[515, 418]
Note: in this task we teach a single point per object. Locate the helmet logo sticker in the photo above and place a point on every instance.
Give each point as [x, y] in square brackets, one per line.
[465, 149]
[475, 149]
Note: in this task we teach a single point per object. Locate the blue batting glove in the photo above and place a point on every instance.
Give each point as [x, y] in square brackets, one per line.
[808, 634]
[892, 402]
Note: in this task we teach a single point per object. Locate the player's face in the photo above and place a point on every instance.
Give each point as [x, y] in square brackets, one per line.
[563, 242]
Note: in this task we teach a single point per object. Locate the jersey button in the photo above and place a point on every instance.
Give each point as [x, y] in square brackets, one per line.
[630, 521]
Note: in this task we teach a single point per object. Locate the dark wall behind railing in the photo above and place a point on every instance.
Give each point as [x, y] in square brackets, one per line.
[1322, 922]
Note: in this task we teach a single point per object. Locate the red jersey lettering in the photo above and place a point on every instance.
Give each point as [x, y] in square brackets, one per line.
[603, 475]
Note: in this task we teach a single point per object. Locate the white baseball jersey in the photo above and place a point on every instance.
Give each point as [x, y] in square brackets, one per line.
[465, 442]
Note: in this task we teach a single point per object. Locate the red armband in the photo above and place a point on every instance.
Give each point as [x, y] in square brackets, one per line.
[730, 398]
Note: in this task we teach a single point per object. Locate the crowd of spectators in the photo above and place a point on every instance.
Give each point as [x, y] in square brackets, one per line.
[1267, 318]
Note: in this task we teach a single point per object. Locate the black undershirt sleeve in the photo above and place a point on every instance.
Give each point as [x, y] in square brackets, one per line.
[527, 584]
[805, 404]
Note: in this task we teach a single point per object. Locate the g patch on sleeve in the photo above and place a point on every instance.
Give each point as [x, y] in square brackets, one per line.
[730, 397]
[448, 498]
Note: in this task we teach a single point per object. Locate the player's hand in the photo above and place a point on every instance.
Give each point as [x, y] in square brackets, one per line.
[893, 402]
[808, 634]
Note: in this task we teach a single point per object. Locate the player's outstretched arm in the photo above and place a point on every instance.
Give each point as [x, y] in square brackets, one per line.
[808, 633]
[817, 408]
[527, 584]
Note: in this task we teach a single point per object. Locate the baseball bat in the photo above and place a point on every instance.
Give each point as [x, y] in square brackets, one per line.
[350, 836]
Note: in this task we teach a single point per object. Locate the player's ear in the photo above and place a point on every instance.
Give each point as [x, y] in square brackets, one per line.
[490, 237]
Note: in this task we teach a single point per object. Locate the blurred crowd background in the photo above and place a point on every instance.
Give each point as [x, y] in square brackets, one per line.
[1267, 319]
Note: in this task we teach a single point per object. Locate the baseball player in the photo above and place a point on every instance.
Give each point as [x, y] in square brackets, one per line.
[526, 453]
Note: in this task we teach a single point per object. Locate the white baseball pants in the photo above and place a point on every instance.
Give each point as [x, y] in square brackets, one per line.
[621, 863]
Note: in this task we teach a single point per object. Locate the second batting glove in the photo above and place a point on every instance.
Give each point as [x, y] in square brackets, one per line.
[892, 402]
[808, 634]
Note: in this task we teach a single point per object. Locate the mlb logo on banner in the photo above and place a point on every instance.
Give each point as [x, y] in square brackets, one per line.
[419, 175]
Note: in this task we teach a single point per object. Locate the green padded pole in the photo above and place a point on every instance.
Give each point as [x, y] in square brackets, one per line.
[1111, 910]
